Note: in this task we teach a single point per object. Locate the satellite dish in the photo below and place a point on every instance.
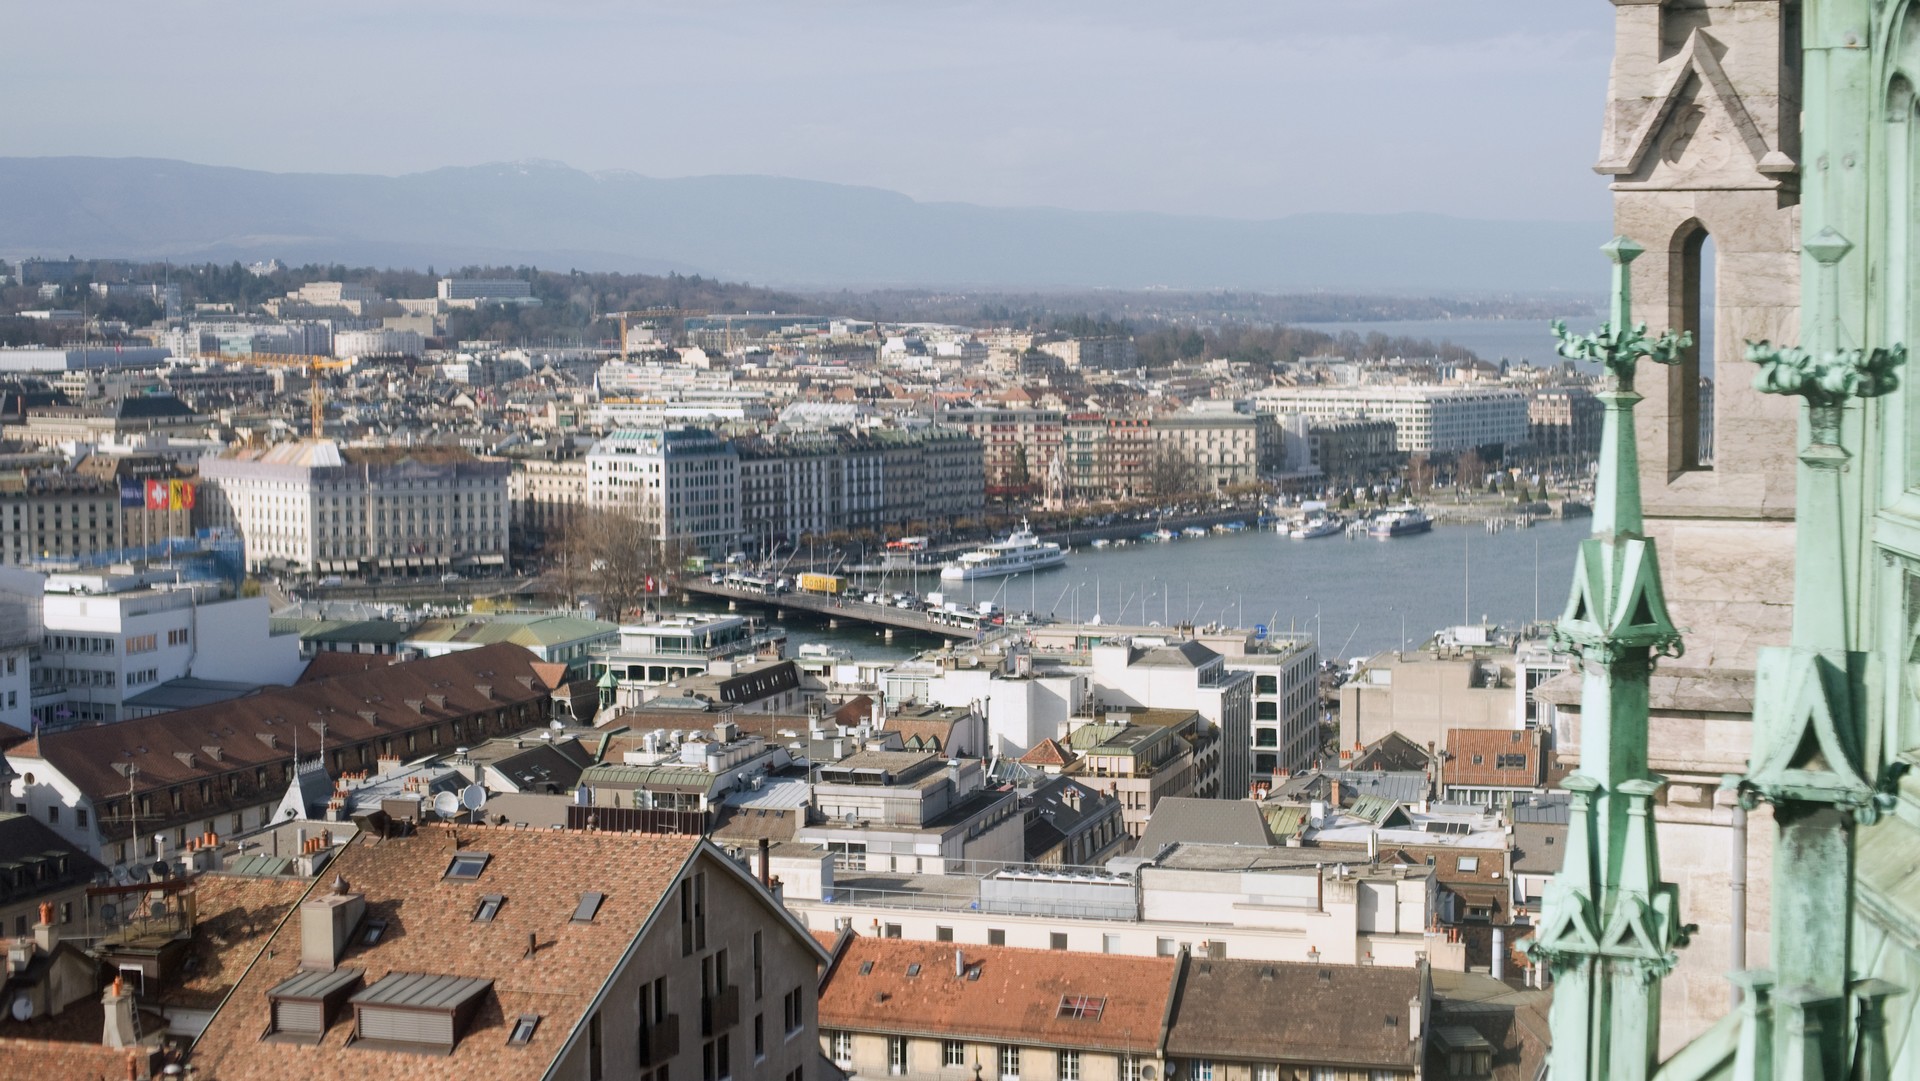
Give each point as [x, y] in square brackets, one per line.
[109, 912]
[446, 805]
[473, 797]
[22, 1008]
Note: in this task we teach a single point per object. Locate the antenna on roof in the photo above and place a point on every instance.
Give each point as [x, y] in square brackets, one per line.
[446, 805]
[473, 797]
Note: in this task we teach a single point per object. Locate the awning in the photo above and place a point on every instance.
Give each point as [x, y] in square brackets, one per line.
[493, 560]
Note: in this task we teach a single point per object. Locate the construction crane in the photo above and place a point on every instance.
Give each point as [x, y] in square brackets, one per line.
[649, 315]
[316, 395]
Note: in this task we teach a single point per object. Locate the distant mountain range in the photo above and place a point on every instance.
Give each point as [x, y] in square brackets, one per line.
[767, 230]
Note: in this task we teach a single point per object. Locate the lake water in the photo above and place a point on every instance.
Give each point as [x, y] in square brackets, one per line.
[1359, 594]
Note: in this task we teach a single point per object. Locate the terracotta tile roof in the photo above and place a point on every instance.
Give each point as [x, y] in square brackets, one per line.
[72, 1061]
[228, 741]
[430, 929]
[328, 665]
[1336, 1015]
[855, 710]
[235, 915]
[1048, 752]
[1491, 747]
[1016, 998]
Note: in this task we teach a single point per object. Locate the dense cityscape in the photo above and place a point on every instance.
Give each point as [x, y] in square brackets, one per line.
[821, 682]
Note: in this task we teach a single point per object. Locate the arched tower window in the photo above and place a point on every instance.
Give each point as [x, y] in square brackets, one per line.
[1696, 273]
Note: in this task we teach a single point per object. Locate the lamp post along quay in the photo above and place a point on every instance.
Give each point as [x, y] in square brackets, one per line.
[1610, 927]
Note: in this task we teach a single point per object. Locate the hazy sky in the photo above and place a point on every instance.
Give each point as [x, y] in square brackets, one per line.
[1247, 108]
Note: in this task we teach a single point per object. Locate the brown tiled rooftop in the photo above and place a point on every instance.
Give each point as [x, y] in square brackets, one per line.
[430, 930]
[1488, 744]
[235, 915]
[1016, 997]
[1337, 1015]
[229, 740]
[52, 1061]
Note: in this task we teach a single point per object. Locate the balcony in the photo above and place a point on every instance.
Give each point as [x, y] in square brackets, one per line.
[660, 1042]
[720, 1011]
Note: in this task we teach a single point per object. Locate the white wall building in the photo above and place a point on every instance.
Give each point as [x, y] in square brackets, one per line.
[107, 640]
[311, 507]
[680, 485]
[1427, 419]
[1161, 673]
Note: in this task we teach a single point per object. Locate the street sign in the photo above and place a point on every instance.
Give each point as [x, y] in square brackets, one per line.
[1259, 630]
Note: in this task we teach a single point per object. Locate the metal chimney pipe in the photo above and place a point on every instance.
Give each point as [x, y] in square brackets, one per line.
[1499, 953]
[766, 871]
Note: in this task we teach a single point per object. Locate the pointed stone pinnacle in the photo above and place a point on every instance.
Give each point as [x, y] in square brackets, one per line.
[1828, 247]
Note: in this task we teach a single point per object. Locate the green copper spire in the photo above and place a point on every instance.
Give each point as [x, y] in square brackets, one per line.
[1609, 926]
[1811, 723]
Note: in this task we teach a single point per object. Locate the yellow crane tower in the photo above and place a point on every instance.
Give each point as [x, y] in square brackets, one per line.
[650, 315]
[316, 394]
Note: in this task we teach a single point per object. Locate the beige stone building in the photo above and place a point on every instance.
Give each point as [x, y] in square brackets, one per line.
[1701, 143]
[1422, 695]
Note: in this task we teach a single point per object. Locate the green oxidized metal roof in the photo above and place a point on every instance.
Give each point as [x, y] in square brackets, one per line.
[677, 776]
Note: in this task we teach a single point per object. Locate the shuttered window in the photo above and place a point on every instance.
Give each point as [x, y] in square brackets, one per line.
[297, 1017]
[408, 1026]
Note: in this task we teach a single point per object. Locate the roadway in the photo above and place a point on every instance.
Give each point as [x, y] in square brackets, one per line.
[839, 608]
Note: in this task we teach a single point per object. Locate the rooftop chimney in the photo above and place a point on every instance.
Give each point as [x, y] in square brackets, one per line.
[1413, 1016]
[119, 1030]
[326, 923]
[44, 936]
[959, 963]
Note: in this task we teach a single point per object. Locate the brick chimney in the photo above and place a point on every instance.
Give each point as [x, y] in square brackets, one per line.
[44, 936]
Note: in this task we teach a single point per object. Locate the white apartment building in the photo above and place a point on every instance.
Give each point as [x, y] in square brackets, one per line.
[106, 640]
[378, 342]
[1228, 446]
[1286, 702]
[681, 485]
[467, 292]
[1150, 672]
[313, 508]
[1426, 419]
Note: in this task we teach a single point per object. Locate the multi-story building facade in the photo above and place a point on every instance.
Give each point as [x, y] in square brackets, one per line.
[1107, 457]
[914, 811]
[811, 483]
[1339, 451]
[544, 494]
[1286, 703]
[1102, 354]
[680, 485]
[1017, 446]
[107, 641]
[1564, 422]
[1229, 447]
[1161, 673]
[313, 507]
[1426, 419]
[57, 516]
[1142, 756]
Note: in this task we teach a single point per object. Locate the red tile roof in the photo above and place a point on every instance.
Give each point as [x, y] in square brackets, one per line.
[1489, 745]
[227, 741]
[52, 1061]
[1017, 996]
[235, 915]
[541, 873]
[1048, 752]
